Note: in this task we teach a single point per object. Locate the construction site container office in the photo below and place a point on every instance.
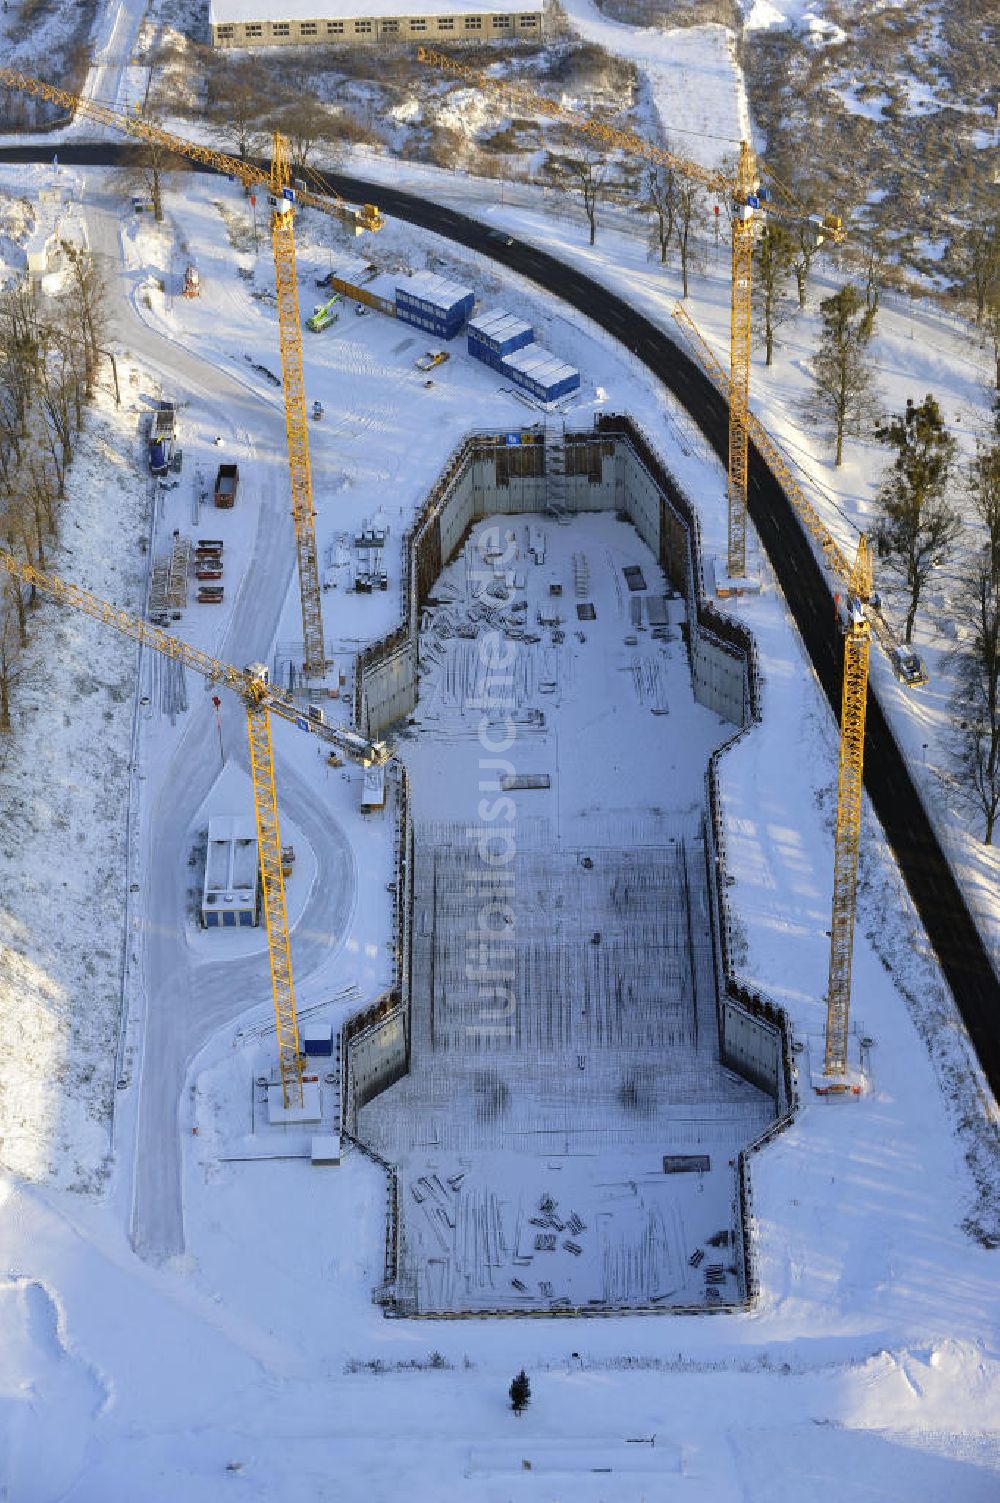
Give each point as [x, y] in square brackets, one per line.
[491, 336]
[434, 303]
[305, 23]
[544, 375]
[232, 873]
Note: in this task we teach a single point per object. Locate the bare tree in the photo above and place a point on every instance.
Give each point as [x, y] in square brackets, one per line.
[237, 91]
[873, 258]
[41, 491]
[992, 322]
[918, 522]
[15, 591]
[86, 307]
[305, 122]
[689, 204]
[59, 393]
[807, 243]
[976, 700]
[8, 663]
[661, 187]
[773, 255]
[590, 181]
[982, 264]
[842, 372]
[21, 340]
[148, 162]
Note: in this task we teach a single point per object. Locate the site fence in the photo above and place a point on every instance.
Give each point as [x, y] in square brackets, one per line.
[680, 554]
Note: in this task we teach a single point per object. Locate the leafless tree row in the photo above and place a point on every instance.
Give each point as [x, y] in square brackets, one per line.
[49, 353]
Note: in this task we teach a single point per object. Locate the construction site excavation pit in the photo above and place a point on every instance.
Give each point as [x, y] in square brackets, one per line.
[566, 1135]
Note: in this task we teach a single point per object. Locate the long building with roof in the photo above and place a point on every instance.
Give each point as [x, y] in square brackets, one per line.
[304, 23]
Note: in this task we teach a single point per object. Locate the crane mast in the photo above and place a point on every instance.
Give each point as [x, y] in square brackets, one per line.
[296, 422]
[260, 700]
[857, 644]
[275, 912]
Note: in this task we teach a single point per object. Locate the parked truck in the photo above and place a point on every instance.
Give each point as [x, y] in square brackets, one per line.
[162, 437]
[226, 481]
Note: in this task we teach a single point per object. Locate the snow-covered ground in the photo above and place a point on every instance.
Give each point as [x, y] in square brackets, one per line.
[692, 75]
[243, 1350]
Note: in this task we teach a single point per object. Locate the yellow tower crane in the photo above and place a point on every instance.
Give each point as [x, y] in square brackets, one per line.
[854, 704]
[744, 195]
[282, 198]
[261, 701]
[856, 579]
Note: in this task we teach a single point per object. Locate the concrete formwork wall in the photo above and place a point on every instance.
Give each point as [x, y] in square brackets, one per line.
[481, 478]
[462, 506]
[751, 1046]
[379, 1056]
[591, 476]
[719, 677]
[753, 1032]
[641, 499]
[387, 689]
[484, 478]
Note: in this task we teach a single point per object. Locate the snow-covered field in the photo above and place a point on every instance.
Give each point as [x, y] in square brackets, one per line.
[243, 1350]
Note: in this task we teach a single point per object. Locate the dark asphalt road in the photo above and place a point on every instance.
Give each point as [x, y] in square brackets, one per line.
[928, 876]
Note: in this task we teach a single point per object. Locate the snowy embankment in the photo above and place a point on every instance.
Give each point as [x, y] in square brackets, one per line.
[694, 82]
[65, 776]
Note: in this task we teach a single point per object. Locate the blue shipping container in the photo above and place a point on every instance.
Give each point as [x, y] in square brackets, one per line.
[542, 374]
[434, 303]
[491, 336]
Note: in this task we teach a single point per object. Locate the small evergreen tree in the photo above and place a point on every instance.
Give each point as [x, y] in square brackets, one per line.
[520, 1392]
[918, 523]
[842, 371]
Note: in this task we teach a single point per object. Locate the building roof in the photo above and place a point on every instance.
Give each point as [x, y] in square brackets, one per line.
[498, 325]
[223, 12]
[539, 364]
[353, 269]
[231, 862]
[440, 292]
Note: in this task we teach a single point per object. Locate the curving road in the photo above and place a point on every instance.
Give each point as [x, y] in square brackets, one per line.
[927, 873]
[187, 999]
